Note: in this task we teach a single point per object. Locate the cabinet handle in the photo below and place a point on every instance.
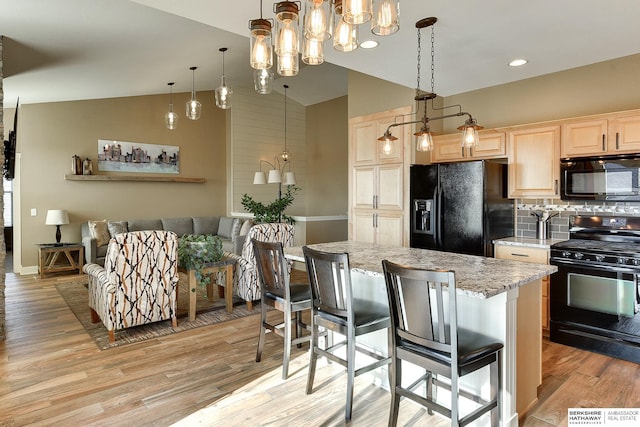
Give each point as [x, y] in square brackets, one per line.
[470, 152]
[555, 186]
[462, 151]
[617, 141]
[522, 255]
[603, 147]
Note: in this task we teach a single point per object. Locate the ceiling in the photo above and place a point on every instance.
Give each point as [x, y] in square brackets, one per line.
[59, 50]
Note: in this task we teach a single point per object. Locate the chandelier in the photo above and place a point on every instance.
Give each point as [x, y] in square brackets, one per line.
[424, 139]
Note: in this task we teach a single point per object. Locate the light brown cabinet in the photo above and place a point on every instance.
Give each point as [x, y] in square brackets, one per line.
[447, 148]
[534, 161]
[533, 255]
[378, 184]
[615, 134]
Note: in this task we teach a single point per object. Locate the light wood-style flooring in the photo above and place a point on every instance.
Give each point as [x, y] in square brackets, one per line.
[52, 374]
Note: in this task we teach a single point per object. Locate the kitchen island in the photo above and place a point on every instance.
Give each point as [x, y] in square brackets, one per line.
[499, 298]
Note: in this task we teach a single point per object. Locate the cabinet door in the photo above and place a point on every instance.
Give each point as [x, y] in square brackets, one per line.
[364, 142]
[534, 163]
[389, 187]
[491, 146]
[389, 228]
[363, 226]
[364, 186]
[447, 148]
[624, 134]
[584, 138]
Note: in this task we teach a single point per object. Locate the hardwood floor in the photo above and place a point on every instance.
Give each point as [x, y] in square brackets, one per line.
[53, 374]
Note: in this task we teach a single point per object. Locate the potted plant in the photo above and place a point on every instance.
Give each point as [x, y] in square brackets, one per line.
[195, 251]
[273, 212]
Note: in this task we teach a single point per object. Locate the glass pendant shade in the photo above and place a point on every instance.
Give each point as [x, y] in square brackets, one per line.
[223, 95]
[345, 35]
[470, 137]
[171, 118]
[288, 65]
[223, 92]
[357, 11]
[193, 109]
[387, 143]
[313, 51]
[317, 19]
[424, 140]
[261, 50]
[287, 32]
[263, 81]
[385, 17]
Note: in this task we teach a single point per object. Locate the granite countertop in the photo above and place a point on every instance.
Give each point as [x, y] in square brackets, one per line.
[476, 276]
[527, 242]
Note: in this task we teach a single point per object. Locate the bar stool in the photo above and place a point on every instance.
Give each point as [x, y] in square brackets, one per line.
[334, 308]
[277, 292]
[425, 333]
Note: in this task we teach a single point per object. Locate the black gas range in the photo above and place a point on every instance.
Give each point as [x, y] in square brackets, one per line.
[595, 295]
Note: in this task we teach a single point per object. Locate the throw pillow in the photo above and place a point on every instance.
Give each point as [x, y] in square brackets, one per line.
[100, 231]
[117, 227]
[235, 228]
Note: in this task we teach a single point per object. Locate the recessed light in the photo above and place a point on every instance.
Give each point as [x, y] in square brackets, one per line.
[369, 44]
[517, 62]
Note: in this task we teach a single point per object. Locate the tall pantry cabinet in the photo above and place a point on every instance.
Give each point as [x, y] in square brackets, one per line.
[379, 182]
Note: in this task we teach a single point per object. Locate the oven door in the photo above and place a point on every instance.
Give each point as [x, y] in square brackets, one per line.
[595, 308]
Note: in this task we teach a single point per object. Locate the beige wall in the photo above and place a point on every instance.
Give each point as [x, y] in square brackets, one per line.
[368, 95]
[598, 88]
[50, 134]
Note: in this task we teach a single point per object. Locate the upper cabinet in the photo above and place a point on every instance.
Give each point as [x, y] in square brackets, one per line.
[615, 134]
[447, 148]
[367, 149]
[534, 161]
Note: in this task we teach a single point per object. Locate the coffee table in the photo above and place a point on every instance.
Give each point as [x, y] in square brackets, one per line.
[225, 265]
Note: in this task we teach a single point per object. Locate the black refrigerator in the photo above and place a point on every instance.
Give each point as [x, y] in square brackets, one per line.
[460, 207]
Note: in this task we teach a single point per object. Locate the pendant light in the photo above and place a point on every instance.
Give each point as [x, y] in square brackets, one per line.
[287, 37]
[357, 11]
[317, 19]
[386, 15]
[345, 35]
[193, 107]
[313, 51]
[171, 118]
[263, 81]
[289, 177]
[260, 43]
[424, 139]
[223, 92]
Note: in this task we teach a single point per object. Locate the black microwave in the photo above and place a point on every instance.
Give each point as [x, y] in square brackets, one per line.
[600, 178]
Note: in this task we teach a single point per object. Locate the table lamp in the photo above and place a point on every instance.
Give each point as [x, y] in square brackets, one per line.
[57, 217]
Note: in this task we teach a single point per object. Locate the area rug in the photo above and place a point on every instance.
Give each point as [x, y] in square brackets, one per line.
[75, 294]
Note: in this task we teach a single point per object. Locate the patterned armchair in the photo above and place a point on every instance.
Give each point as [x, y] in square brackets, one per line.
[138, 283]
[246, 274]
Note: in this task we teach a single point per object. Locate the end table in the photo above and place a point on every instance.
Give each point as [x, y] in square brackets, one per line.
[51, 261]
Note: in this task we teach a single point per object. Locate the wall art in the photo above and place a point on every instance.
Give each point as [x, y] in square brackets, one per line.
[123, 156]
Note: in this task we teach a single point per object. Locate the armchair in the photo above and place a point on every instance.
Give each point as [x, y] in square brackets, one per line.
[138, 283]
[246, 274]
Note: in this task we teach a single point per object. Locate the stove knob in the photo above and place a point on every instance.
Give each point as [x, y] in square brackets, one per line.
[636, 261]
[600, 258]
[578, 255]
[566, 254]
[622, 260]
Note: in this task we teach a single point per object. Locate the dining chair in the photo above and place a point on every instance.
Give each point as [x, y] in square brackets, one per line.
[425, 333]
[334, 308]
[279, 293]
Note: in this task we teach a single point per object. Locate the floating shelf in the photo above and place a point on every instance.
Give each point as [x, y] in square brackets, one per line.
[133, 178]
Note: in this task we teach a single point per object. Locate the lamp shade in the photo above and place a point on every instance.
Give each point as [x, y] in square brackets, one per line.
[274, 176]
[289, 178]
[57, 217]
[259, 178]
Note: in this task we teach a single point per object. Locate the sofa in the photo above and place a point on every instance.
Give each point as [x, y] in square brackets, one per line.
[96, 234]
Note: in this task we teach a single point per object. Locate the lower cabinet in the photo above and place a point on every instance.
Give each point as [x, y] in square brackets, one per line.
[378, 226]
[534, 255]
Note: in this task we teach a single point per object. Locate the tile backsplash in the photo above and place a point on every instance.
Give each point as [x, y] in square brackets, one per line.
[526, 222]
